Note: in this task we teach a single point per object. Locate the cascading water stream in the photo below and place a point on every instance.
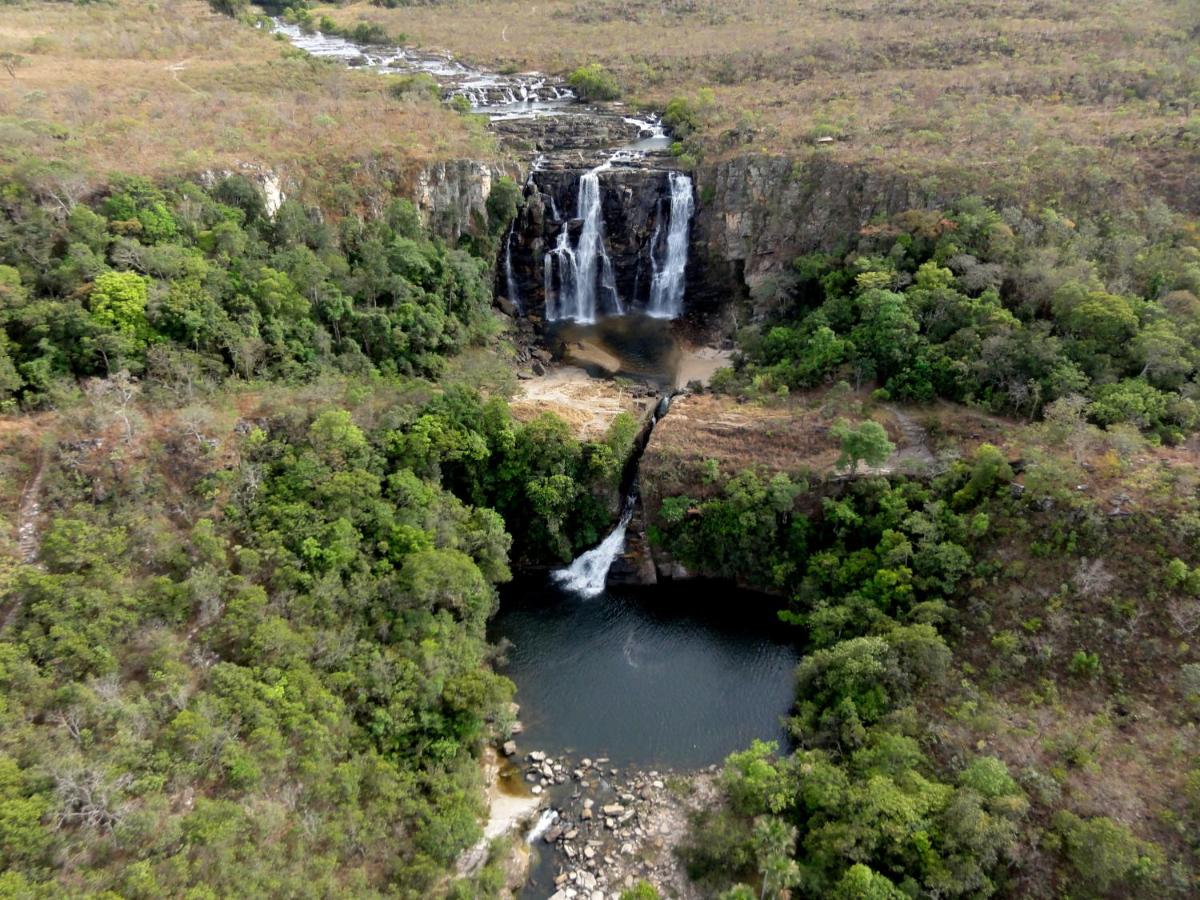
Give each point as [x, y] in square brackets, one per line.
[585, 272]
[510, 279]
[588, 573]
[667, 284]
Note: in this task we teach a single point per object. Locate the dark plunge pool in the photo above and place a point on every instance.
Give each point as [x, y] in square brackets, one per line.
[675, 676]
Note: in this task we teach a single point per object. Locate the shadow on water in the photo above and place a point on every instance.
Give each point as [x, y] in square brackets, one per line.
[676, 676]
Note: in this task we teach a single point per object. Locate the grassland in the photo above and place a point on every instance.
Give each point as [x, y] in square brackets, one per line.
[1016, 97]
[175, 88]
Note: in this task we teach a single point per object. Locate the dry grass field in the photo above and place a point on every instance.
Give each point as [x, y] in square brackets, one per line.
[1017, 95]
[159, 89]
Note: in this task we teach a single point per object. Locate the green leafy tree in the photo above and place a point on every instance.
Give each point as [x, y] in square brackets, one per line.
[866, 442]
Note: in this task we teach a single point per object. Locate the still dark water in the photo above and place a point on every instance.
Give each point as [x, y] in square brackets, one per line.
[673, 676]
[645, 347]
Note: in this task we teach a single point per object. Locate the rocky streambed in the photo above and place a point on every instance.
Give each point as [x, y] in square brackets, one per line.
[605, 828]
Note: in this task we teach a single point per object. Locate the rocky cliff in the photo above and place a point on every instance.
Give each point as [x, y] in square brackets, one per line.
[754, 215]
[758, 213]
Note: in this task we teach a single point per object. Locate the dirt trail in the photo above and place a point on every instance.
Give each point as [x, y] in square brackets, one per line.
[915, 448]
[28, 513]
[28, 537]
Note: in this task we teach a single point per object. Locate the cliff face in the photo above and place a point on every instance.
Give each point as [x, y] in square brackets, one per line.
[758, 213]
[754, 215]
[452, 196]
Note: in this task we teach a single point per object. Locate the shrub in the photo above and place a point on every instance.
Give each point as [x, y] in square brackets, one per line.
[421, 86]
[1105, 854]
[1084, 664]
[594, 82]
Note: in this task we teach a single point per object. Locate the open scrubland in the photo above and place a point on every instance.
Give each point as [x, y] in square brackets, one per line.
[177, 89]
[260, 478]
[1036, 98]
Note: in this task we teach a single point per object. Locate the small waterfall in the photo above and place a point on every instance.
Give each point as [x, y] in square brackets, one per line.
[667, 284]
[510, 280]
[545, 820]
[588, 574]
[585, 272]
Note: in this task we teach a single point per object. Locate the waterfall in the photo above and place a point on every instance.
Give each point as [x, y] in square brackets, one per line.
[585, 272]
[588, 574]
[667, 284]
[545, 820]
[510, 280]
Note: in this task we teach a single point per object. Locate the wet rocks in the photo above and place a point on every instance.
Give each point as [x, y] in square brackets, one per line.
[617, 827]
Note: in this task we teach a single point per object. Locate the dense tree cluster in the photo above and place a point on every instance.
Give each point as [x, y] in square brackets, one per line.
[188, 284]
[862, 807]
[286, 700]
[999, 308]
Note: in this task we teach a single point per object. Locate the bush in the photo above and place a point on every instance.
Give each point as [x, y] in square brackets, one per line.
[594, 82]
[421, 86]
[1106, 855]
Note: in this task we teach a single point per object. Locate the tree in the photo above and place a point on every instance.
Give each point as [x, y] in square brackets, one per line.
[118, 312]
[1106, 855]
[861, 883]
[866, 442]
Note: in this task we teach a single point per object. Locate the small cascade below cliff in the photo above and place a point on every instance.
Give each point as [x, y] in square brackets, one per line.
[587, 575]
[667, 283]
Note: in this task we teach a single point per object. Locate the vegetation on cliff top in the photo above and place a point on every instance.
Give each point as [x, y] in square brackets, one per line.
[145, 90]
[995, 308]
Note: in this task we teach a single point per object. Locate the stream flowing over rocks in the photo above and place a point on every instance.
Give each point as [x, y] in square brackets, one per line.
[606, 828]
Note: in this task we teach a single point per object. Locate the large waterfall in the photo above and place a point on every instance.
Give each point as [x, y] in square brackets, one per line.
[666, 286]
[587, 284]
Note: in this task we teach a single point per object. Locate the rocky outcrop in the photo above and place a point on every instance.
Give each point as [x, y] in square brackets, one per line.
[758, 213]
[616, 827]
[593, 129]
[452, 196]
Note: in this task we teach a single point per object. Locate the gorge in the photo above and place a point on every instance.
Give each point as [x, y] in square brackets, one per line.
[599, 253]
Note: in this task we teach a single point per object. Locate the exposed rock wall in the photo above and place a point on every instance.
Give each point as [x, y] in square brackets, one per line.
[452, 196]
[757, 213]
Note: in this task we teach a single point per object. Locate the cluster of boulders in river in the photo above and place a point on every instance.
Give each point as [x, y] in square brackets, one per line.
[613, 827]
